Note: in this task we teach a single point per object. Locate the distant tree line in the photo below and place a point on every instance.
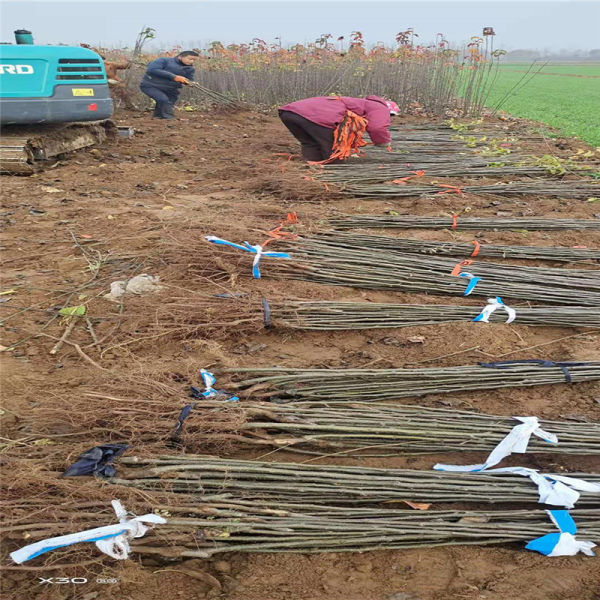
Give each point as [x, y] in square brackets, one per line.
[524, 55]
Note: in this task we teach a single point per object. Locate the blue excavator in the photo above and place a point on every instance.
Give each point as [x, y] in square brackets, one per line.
[53, 100]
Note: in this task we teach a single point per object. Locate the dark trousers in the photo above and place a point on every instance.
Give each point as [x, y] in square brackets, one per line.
[165, 100]
[316, 140]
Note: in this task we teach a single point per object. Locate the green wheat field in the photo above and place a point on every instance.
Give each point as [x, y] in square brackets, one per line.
[565, 96]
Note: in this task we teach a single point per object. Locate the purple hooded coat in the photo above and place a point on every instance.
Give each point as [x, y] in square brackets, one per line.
[329, 111]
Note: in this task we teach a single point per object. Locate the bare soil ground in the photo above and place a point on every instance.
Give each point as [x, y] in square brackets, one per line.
[137, 206]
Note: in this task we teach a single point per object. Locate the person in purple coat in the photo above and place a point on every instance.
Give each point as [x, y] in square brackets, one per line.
[312, 121]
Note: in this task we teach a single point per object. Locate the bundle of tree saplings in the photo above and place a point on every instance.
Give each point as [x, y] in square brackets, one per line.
[339, 244]
[451, 132]
[216, 97]
[327, 315]
[326, 385]
[419, 157]
[359, 429]
[315, 259]
[204, 524]
[463, 249]
[355, 428]
[340, 172]
[437, 135]
[463, 223]
[545, 188]
[266, 507]
[442, 141]
[229, 524]
[325, 485]
[372, 173]
[188, 316]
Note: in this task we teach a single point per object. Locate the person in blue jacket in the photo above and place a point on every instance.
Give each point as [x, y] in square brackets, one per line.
[164, 78]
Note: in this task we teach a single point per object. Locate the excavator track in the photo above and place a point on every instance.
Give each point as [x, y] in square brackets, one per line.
[27, 149]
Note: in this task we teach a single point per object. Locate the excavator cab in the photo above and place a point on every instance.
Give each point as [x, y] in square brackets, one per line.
[62, 90]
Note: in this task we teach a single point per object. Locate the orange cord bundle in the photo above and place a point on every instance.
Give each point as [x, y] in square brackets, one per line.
[347, 138]
[403, 180]
[457, 269]
[450, 189]
[277, 234]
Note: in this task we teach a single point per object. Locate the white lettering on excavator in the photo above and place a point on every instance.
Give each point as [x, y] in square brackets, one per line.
[16, 70]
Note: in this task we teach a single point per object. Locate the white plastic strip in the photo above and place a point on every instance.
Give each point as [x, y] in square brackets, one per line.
[556, 490]
[493, 305]
[473, 281]
[567, 545]
[111, 539]
[209, 380]
[563, 543]
[258, 250]
[516, 441]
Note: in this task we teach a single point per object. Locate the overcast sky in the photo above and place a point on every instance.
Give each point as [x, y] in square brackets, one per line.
[533, 24]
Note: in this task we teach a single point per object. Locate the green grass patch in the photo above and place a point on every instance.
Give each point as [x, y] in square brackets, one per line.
[568, 103]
